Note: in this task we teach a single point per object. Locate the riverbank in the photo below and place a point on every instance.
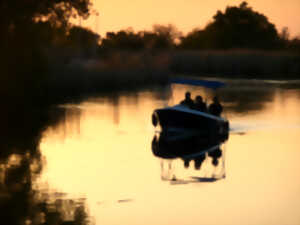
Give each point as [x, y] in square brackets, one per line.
[128, 70]
[69, 79]
[237, 63]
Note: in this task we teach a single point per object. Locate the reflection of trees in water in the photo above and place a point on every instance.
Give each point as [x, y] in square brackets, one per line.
[251, 95]
[245, 99]
[132, 98]
[291, 85]
[21, 163]
[69, 122]
[241, 98]
[238, 96]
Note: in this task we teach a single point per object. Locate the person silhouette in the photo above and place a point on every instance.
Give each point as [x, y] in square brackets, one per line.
[199, 104]
[188, 100]
[215, 108]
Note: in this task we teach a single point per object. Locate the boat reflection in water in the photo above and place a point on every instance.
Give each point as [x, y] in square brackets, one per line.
[189, 158]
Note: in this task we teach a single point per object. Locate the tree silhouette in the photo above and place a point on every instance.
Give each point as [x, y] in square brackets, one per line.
[28, 28]
[161, 37]
[237, 27]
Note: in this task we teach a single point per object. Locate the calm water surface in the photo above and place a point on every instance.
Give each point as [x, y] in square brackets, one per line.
[100, 154]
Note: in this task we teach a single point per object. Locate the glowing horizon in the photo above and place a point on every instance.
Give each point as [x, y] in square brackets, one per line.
[116, 15]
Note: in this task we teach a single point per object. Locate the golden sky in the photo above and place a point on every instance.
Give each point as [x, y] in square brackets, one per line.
[186, 15]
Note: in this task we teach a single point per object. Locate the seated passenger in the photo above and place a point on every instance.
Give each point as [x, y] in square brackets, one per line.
[199, 104]
[215, 108]
[188, 101]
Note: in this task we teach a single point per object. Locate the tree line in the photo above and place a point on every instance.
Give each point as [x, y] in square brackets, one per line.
[237, 27]
[29, 26]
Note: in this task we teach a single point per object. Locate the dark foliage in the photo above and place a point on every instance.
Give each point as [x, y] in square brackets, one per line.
[237, 27]
[161, 37]
[29, 29]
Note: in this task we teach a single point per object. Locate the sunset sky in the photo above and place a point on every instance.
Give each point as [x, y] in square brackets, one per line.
[186, 15]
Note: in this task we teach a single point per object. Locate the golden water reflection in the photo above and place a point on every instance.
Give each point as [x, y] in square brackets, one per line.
[102, 152]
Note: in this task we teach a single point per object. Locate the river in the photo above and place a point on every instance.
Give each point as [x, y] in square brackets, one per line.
[99, 156]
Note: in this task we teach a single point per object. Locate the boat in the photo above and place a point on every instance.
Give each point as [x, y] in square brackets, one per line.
[182, 119]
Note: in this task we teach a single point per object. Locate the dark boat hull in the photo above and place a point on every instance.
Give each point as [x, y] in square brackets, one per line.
[181, 119]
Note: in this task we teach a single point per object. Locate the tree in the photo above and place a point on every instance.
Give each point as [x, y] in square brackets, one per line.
[168, 32]
[237, 27]
[26, 27]
[18, 16]
[124, 40]
[15, 12]
[161, 37]
[79, 37]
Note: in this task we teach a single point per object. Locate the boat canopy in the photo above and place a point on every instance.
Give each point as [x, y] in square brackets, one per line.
[204, 83]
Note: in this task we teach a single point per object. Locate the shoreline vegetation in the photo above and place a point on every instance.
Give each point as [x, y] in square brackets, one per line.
[130, 71]
[50, 61]
[238, 63]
